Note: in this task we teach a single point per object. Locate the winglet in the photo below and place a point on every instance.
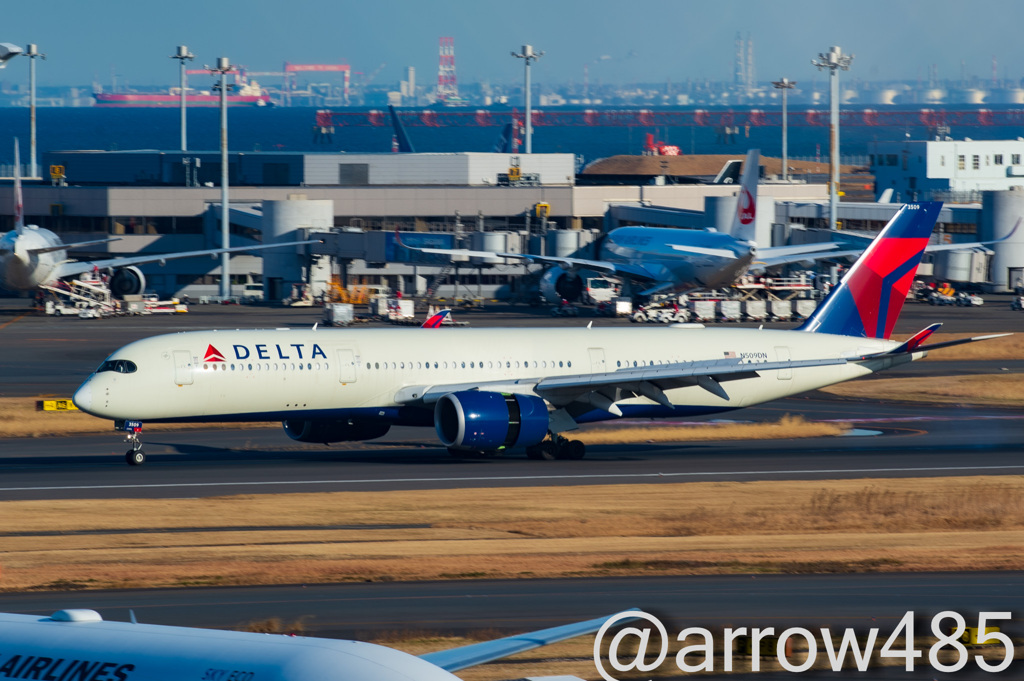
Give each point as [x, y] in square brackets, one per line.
[479, 653]
[437, 320]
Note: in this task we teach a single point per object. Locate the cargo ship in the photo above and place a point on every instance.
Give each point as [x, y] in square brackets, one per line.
[248, 93]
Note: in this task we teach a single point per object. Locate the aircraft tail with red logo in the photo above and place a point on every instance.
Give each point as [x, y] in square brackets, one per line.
[868, 300]
[744, 222]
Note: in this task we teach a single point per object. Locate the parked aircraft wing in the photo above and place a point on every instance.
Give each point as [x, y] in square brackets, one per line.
[79, 244]
[621, 269]
[71, 268]
[770, 257]
[478, 653]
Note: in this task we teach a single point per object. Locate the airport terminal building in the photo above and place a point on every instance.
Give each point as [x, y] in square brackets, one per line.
[163, 202]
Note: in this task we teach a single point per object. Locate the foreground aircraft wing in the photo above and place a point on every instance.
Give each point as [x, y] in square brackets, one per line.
[71, 268]
[478, 653]
[603, 389]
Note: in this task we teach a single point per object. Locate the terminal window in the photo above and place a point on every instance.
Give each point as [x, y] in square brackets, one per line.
[975, 162]
[997, 159]
[1015, 159]
[960, 165]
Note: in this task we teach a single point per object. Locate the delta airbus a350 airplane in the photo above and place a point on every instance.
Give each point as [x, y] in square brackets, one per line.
[78, 645]
[486, 390]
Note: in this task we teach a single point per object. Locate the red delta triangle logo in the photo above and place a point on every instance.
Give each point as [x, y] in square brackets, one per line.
[746, 208]
[213, 355]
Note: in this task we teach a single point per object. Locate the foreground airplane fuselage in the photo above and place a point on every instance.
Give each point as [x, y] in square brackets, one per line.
[375, 373]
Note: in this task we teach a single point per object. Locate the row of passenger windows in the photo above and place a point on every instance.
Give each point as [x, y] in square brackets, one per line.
[268, 366]
[317, 366]
[527, 364]
[543, 364]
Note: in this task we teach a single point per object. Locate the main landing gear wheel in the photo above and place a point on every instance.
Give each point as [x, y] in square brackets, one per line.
[558, 448]
[135, 457]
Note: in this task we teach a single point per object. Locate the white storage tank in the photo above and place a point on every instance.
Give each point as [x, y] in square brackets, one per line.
[562, 243]
[494, 242]
[999, 214]
[964, 266]
[284, 221]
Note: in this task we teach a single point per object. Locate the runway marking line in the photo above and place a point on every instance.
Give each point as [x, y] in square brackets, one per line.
[6, 324]
[513, 478]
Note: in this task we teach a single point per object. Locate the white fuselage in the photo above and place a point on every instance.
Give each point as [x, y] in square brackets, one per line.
[20, 268]
[337, 373]
[40, 648]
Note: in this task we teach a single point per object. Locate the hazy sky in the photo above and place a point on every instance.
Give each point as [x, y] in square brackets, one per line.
[647, 41]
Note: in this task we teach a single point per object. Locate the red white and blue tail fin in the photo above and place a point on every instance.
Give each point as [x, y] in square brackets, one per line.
[868, 300]
[437, 320]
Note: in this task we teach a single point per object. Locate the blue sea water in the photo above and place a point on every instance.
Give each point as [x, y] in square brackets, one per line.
[291, 129]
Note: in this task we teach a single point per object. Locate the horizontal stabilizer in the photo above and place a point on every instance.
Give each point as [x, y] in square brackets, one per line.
[479, 653]
[916, 342]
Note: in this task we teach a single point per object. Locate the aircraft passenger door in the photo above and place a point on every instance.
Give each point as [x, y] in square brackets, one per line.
[346, 366]
[596, 360]
[183, 367]
[782, 355]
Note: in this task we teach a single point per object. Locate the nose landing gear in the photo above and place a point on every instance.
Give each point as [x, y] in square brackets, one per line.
[134, 456]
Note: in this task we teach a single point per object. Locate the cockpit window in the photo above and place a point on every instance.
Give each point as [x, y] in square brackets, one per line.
[121, 366]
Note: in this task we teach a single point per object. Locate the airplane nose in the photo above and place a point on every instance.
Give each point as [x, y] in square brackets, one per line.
[83, 397]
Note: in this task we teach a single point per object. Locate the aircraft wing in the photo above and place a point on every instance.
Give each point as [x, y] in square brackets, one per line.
[64, 247]
[478, 653]
[634, 272]
[785, 255]
[71, 268]
[603, 389]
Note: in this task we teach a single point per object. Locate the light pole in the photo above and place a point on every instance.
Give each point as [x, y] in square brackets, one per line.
[32, 52]
[224, 67]
[785, 85]
[528, 55]
[182, 56]
[833, 61]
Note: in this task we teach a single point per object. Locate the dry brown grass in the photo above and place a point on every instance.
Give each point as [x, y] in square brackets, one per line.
[800, 526]
[19, 417]
[1006, 390]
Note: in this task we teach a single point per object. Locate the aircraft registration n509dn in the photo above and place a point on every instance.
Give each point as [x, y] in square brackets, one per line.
[78, 645]
[486, 390]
